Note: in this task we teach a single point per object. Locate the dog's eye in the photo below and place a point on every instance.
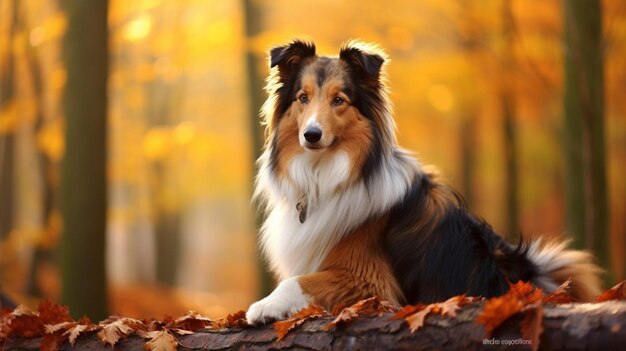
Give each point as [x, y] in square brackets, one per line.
[338, 101]
[304, 98]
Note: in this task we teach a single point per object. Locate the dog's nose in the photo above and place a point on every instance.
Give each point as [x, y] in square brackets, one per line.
[312, 134]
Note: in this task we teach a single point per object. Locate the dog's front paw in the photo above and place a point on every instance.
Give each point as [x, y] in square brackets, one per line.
[285, 300]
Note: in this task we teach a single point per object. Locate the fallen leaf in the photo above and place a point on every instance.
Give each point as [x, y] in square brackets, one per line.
[532, 325]
[526, 292]
[23, 322]
[344, 317]
[192, 321]
[282, 328]
[407, 311]
[415, 315]
[51, 313]
[363, 307]
[416, 320]
[115, 329]
[160, 340]
[618, 292]
[560, 295]
[499, 309]
[181, 331]
[237, 319]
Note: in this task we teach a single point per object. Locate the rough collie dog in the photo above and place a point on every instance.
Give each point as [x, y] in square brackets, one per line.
[351, 215]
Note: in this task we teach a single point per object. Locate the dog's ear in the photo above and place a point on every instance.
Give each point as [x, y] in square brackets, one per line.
[365, 60]
[289, 57]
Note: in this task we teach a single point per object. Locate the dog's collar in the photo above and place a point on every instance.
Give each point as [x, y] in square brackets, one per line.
[301, 208]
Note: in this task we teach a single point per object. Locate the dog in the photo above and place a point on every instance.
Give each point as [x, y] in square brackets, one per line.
[352, 215]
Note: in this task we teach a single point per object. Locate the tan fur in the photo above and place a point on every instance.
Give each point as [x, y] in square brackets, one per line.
[343, 126]
[580, 268]
[436, 202]
[356, 269]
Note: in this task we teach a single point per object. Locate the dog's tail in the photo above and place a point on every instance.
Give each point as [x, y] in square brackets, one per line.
[555, 264]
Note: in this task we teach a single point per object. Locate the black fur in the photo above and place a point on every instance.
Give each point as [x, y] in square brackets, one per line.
[290, 59]
[461, 255]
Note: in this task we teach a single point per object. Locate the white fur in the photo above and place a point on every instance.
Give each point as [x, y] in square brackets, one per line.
[333, 206]
[550, 258]
[286, 299]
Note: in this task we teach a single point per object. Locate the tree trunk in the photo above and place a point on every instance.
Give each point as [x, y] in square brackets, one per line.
[7, 139]
[572, 326]
[587, 210]
[83, 180]
[507, 105]
[255, 93]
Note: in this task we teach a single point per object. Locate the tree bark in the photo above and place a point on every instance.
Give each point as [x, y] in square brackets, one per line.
[252, 17]
[83, 180]
[587, 205]
[600, 326]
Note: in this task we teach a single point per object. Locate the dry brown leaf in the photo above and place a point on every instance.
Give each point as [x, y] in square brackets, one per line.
[618, 292]
[192, 321]
[181, 331]
[282, 328]
[497, 310]
[160, 340]
[237, 319]
[116, 329]
[51, 313]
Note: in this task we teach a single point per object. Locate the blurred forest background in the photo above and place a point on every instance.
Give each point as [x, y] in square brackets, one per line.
[129, 130]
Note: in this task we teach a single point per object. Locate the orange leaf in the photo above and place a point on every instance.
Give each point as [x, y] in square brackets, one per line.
[416, 320]
[346, 316]
[532, 325]
[526, 292]
[407, 311]
[499, 309]
[618, 292]
[415, 315]
[312, 311]
[560, 295]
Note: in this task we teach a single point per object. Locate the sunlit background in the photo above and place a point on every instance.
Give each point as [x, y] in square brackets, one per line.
[468, 79]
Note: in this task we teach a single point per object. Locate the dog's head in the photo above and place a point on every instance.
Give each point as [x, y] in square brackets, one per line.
[321, 104]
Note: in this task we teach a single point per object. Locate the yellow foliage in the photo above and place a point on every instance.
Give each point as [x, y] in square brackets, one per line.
[440, 97]
[137, 28]
[9, 117]
[51, 141]
[52, 28]
[157, 143]
[184, 133]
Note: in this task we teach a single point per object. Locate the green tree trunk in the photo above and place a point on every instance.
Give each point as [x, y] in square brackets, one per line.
[83, 179]
[252, 14]
[587, 210]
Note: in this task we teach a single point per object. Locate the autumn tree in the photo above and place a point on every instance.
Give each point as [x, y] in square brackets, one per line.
[7, 139]
[83, 182]
[587, 206]
[255, 93]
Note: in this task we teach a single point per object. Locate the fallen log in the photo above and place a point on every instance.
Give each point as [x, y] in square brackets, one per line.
[575, 326]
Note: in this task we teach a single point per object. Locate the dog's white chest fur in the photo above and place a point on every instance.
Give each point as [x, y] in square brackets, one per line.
[332, 207]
